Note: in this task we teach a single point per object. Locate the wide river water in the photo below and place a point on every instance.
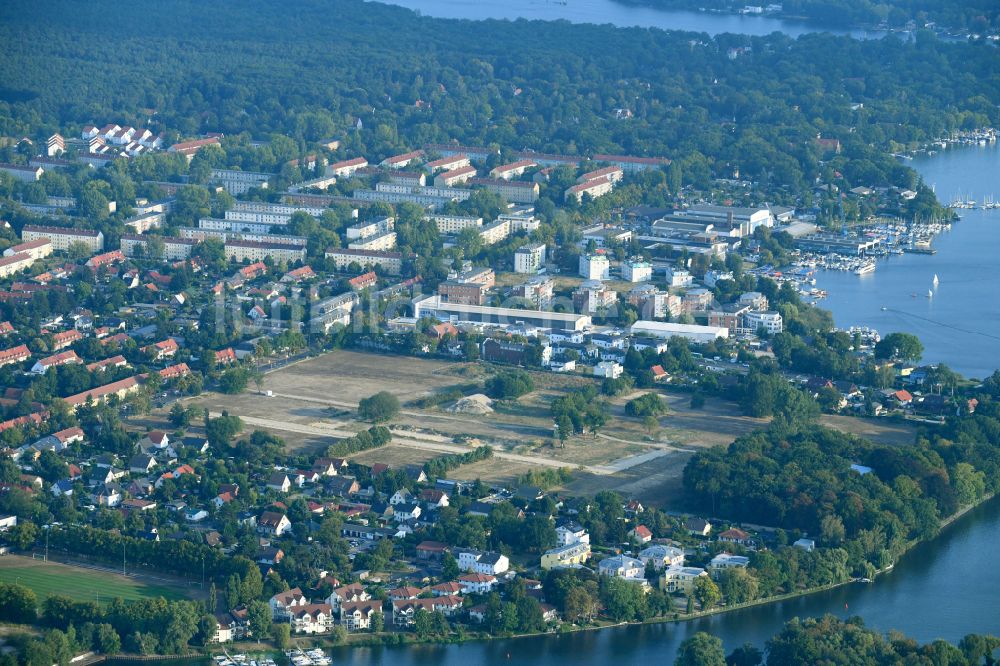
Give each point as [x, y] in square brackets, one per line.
[623, 16]
[960, 324]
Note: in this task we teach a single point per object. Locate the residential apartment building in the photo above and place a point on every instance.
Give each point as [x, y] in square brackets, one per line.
[769, 321]
[390, 262]
[592, 188]
[454, 177]
[633, 164]
[242, 250]
[347, 168]
[201, 234]
[514, 191]
[536, 289]
[473, 152]
[452, 224]
[466, 293]
[381, 242]
[62, 237]
[14, 264]
[369, 228]
[240, 182]
[613, 173]
[36, 249]
[402, 161]
[529, 258]
[496, 232]
[512, 170]
[594, 267]
[133, 245]
[448, 163]
[25, 174]
[637, 270]
[570, 555]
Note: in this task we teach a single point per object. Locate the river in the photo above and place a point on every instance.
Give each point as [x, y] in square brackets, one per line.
[945, 588]
[960, 325]
[623, 16]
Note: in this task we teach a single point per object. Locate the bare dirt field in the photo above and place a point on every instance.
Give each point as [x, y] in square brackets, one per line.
[883, 431]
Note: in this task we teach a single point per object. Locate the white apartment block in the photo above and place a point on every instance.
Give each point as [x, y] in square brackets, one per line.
[370, 228]
[320, 183]
[448, 163]
[201, 234]
[495, 232]
[173, 248]
[529, 258]
[37, 249]
[240, 182]
[23, 173]
[285, 210]
[15, 263]
[447, 192]
[515, 191]
[593, 188]
[243, 250]
[390, 262]
[521, 221]
[594, 267]
[452, 224]
[347, 168]
[454, 177]
[63, 237]
[260, 218]
[377, 243]
[235, 226]
[769, 321]
[512, 170]
[637, 270]
[140, 224]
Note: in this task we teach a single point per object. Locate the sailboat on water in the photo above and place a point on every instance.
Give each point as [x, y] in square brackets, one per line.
[930, 293]
[936, 281]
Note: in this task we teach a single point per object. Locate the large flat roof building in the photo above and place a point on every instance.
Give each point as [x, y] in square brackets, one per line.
[692, 332]
[433, 306]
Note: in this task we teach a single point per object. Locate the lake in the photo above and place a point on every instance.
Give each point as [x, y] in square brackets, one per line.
[960, 325]
[623, 16]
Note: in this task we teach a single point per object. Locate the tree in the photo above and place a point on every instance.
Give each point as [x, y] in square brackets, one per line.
[17, 604]
[580, 605]
[379, 408]
[509, 385]
[234, 380]
[449, 567]
[745, 655]
[738, 585]
[282, 635]
[706, 592]
[377, 622]
[902, 346]
[259, 617]
[108, 641]
[701, 650]
[651, 424]
[650, 404]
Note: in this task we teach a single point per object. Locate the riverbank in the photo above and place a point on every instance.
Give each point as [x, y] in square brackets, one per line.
[362, 645]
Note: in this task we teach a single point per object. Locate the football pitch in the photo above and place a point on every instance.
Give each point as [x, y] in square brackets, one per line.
[82, 584]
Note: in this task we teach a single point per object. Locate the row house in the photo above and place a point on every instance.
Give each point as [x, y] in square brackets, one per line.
[405, 610]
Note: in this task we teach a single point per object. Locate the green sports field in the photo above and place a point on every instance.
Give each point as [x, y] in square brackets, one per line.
[80, 584]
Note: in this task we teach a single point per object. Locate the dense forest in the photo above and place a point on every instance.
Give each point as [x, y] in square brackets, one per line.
[316, 69]
[975, 16]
